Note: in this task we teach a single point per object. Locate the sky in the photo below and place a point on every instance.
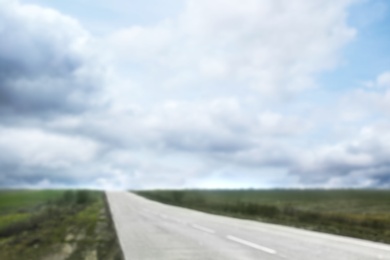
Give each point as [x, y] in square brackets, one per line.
[194, 94]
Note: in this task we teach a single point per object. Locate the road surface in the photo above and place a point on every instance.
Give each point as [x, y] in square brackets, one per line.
[154, 231]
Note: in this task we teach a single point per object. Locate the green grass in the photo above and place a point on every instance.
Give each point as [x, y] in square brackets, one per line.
[9, 219]
[56, 225]
[357, 213]
[19, 199]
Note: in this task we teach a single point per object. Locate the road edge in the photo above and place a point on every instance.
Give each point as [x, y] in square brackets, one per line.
[112, 224]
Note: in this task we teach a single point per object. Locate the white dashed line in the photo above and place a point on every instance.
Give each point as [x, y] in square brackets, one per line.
[250, 244]
[204, 229]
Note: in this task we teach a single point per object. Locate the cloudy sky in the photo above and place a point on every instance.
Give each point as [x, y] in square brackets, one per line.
[194, 93]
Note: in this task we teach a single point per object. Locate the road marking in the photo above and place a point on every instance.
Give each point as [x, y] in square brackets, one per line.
[250, 244]
[204, 229]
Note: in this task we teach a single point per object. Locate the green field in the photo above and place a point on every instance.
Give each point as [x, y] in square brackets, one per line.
[16, 199]
[19, 206]
[357, 213]
[56, 224]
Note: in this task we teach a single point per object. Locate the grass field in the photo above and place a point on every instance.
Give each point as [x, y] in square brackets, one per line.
[19, 206]
[357, 213]
[17, 199]
[68, 225]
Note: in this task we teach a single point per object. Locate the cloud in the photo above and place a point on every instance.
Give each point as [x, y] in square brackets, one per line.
[179, 144]
[45, 63]
[382, 81]
[275, 47]
[373, 99]
[33, 155]
[189, 101]
[362, 161]
[221, 125]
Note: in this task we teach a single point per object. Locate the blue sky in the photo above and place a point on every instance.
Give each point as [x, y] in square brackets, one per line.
[195, 94]
[371, 19]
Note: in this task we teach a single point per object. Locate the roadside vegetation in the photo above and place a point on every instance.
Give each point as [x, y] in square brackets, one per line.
[357, 213]
[56, 225]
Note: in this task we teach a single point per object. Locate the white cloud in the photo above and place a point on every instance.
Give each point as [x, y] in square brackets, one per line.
[383, 80]
[371, 101]
[188, 101]
[275, 47]
[219, 125]
[34, 147]
[47, 64]
[364, 156]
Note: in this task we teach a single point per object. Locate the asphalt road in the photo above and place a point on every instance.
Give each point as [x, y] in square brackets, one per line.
[154, 231]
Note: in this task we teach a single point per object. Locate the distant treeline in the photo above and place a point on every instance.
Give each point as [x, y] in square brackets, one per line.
[357, 213]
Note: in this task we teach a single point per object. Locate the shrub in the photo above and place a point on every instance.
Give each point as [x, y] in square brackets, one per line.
[83, 197]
